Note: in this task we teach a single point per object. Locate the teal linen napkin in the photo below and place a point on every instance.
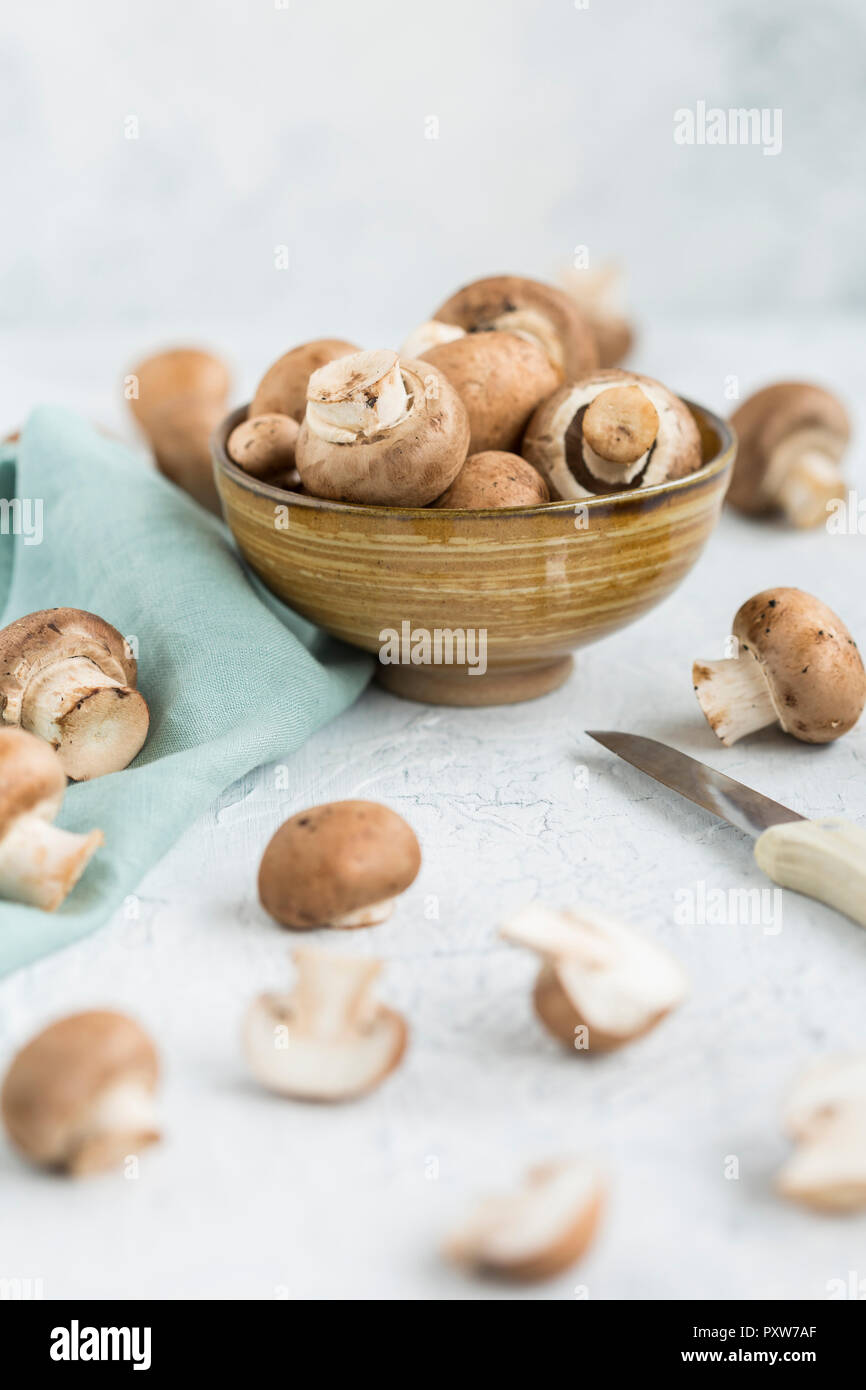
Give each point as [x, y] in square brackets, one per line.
[232, 677]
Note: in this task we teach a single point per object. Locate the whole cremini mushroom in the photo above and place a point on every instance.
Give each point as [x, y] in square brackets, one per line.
[796, 665]
[495, 479]
[599, 296]
[329, 1038]
[69, 677]
[825, 1115]
[264, 445]
[791, 440]
[182, 395]
[39, 864]
[338, 865]
[540, 313]
[283, 388]
[601, 984]
[538, 1231]
[79, 1096]
[500, 379]
[610, 432]
[381, 431]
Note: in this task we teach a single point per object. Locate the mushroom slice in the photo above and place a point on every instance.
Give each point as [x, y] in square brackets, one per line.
[329, 1039]
[538, 1231]
[500, 379]
[283, 388]
[381, 431]
[338, 865]
[791, 439]
[39, 864]
[610, 432]
[69, 677]
[79, 1096]
[797, 665]
[597, 975]
[540, 313]
[826, 1117]
[495, 479]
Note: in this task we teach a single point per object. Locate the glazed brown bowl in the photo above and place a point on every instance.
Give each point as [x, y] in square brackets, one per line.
[510, 593]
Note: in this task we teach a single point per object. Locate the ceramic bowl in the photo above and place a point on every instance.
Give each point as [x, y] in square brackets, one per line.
[476, 608]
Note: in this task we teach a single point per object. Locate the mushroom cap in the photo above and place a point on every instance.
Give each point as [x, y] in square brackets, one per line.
[180, 431]
[765, 421]
[495, 479]
[55, 1079]
[332, 860]
[283, 388]
[480, 303]
[553, 442]
[264, 445]
[31, 777]
[409, 464]
[52, 635]
[500, 378]
[813, 669]
[178, 372]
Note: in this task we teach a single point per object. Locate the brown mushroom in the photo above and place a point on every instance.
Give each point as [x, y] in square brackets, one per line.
[39, 864]
[69, 677]
[283, 388]
[338, 865]
[792, 437]
[264, 445]
[381, 431]
[79, 1096]
[797, 665]
[495, 479]
[598, 295]
[538, 1231]
[329, 1039]
[500, 378]
[541, 313]
[182, 397]
[611, 432]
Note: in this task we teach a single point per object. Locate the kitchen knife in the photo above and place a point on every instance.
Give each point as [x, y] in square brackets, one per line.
[825, 859]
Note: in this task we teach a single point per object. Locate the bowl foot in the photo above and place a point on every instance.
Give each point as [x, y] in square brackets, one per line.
[449, 685]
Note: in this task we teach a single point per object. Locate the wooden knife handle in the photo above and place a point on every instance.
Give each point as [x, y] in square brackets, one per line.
[826, 859]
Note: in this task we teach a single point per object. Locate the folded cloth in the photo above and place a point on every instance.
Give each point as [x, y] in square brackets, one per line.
[233, 678]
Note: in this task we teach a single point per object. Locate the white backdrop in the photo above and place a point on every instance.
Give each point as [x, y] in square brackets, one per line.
[305, 125]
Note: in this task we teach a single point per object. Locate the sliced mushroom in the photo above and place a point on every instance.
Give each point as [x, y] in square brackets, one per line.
[39, 864]
[826, 1118]
[797, 666]
[381, 431]
[601, 983]
[283, 388]
[329, 1039]
[538, 1231]
[69, 677]
[540, 313]
[599, 296]
[500, 379]
[791, 440]
[495, 479]
[79, 1096]
[182, 397]
[338, 865]
[264, 445]
[610, 432]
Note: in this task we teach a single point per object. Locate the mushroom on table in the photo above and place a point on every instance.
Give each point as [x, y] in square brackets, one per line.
[825, 1116]
[182, 397]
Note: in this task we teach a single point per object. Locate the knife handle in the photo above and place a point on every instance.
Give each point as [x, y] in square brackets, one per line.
[826, 859]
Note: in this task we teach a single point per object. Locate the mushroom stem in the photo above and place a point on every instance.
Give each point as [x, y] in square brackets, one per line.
[40, 864]
[357, 396]
[332, 992]
[121, 1120]
[810, 482]
[72, 703]
[734, 695]
[369, 916]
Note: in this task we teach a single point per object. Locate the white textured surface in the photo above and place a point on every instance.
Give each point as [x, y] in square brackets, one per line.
[253, 1197]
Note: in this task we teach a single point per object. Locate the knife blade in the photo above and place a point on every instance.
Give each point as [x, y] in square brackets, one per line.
[825, 859]
[748, 810]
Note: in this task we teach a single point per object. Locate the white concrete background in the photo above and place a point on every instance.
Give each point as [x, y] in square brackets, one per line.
[305, 127]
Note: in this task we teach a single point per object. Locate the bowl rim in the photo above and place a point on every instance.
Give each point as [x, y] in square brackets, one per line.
[628, 497]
